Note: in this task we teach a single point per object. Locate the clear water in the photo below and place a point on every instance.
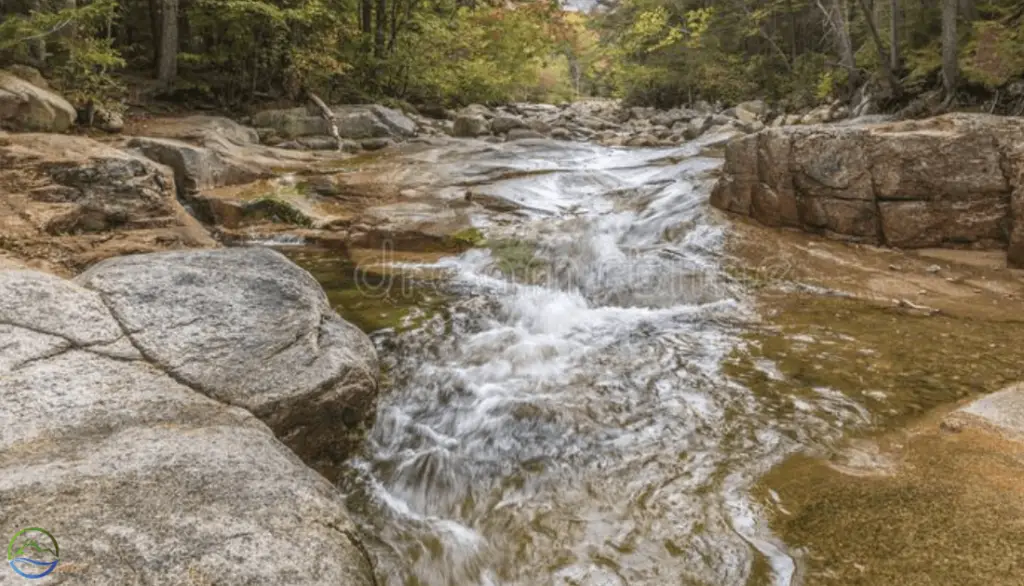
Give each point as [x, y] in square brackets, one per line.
[576, 428]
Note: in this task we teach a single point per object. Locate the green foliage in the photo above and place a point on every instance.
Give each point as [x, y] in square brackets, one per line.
[995, 54]
[80, 59]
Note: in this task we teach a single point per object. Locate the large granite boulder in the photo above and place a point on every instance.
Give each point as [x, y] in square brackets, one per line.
[24, 106]
[950, 181]
[272, 345]
[70, 201]
[125, 429]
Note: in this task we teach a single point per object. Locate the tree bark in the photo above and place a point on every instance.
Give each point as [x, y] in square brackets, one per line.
[890, 77]
[154, 30]
[949, 47]
[845, 44]
[381, 28]
[366, 16]
[895, 24]
[328, 115]
[167, 67]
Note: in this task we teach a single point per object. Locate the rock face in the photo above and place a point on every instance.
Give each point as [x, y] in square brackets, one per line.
[207, 152]
[273, 346]
[70, 201]
[24, 106]
[124, 429]
[951, 181]
[354, 122]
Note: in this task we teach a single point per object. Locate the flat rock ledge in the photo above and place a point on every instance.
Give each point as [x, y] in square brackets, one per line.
[954, 181]
[149, 407]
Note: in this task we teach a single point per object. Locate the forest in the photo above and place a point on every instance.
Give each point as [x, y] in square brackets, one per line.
[445, 53]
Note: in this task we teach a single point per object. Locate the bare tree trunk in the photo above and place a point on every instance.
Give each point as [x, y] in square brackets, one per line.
[167, 67]
[845, 44]
[890, 77]
[949, 47]
[895, 24]
[366, 16]
[154, 30]
[328, 115]
[382, 23]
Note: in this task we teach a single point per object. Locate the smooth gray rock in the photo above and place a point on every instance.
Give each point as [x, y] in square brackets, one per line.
[503, 123]
[470, 126]
[196, 167]
[248, 328]
[400, 125]
[24, 106]
[142, 479]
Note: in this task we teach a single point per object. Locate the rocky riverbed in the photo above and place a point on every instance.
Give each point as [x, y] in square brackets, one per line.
[577, 371]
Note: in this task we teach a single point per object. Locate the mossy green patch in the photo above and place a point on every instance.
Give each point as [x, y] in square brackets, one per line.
[275, 209]
[518, 260]
[372, 301]
[467, 238]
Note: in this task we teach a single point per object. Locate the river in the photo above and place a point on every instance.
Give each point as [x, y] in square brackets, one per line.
[560, 411]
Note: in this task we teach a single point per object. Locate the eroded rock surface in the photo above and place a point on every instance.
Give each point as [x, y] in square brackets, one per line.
[70, 201]
[951, 181]
[126, 425]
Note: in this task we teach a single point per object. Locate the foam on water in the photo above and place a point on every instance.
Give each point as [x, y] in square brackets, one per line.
[575, 429]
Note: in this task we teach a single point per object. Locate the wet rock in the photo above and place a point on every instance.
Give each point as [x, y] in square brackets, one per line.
[470, 126]
[950, 181]
[122, 440]
[73, 200]
[24, 106]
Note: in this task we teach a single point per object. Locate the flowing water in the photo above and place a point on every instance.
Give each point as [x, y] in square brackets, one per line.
[563, 416]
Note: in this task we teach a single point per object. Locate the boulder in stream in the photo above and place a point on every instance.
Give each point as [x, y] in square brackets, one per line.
[127, 423]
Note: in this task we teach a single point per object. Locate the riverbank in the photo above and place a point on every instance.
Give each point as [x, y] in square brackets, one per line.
[590, 375]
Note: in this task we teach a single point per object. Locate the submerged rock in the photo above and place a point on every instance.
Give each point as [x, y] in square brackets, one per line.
[944, 182]
[125, 426]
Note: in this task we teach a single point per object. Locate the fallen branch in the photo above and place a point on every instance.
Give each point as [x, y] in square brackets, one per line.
[327, 115]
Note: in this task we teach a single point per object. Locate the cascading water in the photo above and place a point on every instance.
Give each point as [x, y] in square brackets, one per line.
[570, 424]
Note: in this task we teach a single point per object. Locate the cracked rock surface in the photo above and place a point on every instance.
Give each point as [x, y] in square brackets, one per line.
[130, 425]
[954, 181]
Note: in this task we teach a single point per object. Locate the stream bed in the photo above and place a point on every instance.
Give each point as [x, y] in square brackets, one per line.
[591, 396]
